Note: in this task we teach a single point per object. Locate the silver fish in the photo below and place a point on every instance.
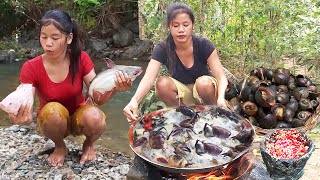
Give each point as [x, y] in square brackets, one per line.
[103, 85]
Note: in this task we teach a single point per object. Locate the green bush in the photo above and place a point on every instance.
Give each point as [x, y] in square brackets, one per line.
[251, 33]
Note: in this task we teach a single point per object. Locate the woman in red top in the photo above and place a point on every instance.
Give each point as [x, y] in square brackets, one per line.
[57, 77]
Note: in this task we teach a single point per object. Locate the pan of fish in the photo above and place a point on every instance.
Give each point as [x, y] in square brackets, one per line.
[192, 139]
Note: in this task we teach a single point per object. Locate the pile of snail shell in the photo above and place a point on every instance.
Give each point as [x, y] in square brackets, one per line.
[274, 98]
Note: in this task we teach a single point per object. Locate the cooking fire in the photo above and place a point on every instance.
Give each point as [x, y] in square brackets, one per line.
[242, 168]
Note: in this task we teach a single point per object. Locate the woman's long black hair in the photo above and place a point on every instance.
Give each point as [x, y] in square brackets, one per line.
[65, 24]
[173, 10]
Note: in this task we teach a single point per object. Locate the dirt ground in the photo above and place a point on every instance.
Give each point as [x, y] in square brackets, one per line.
[312, 168]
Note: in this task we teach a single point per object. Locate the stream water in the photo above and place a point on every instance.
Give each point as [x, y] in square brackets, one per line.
[115, 136]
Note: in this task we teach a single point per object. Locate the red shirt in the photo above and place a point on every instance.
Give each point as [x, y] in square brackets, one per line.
[69, 95]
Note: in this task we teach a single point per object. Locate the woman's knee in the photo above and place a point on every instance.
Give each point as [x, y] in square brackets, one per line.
[53, 111]
[204, 82]
[163, 83]
[94, 117]
[53, 119]
[89, 119]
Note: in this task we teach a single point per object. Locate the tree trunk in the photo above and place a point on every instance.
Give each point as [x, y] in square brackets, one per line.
[141, 19]
[201, 19]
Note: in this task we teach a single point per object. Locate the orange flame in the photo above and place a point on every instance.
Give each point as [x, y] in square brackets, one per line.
[213, 175]
[234, 170]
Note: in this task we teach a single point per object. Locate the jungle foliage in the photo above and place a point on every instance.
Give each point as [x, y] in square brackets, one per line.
[249, 33]
[91, 14]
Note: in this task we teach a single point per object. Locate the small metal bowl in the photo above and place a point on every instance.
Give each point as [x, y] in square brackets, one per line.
[283, 169]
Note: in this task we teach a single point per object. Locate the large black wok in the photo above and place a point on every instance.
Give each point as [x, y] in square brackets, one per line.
[232, 115]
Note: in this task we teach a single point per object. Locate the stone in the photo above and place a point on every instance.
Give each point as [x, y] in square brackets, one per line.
[98, 45]
[14, 128]
[258, 172]
[7, 56]
[122, 37]
[35, 138]
[133, 26]
[124, 169]
[139, 170]
[23, 155]
[139, 49]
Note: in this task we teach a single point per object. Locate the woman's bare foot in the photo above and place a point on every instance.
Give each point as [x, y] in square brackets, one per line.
[57, 157]
[88, 153]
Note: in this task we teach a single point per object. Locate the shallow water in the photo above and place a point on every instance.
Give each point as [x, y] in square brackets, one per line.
[115, 136]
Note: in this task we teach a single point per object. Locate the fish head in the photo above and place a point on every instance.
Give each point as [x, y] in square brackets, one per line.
[132, 71]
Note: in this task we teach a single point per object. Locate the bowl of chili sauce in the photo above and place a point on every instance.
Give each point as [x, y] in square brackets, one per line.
[285, 153]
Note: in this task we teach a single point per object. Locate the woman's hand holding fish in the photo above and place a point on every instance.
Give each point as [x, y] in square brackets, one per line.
[24, 115]
[130, 111]
[122, 81]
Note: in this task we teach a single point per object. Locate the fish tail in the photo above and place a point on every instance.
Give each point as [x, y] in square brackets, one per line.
[88, 99]
[87, 95]
[109, 63]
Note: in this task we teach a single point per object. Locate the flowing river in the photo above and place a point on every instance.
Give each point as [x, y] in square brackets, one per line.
[115, 136]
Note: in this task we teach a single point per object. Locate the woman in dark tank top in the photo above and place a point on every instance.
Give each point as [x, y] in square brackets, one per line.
[197, 74]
